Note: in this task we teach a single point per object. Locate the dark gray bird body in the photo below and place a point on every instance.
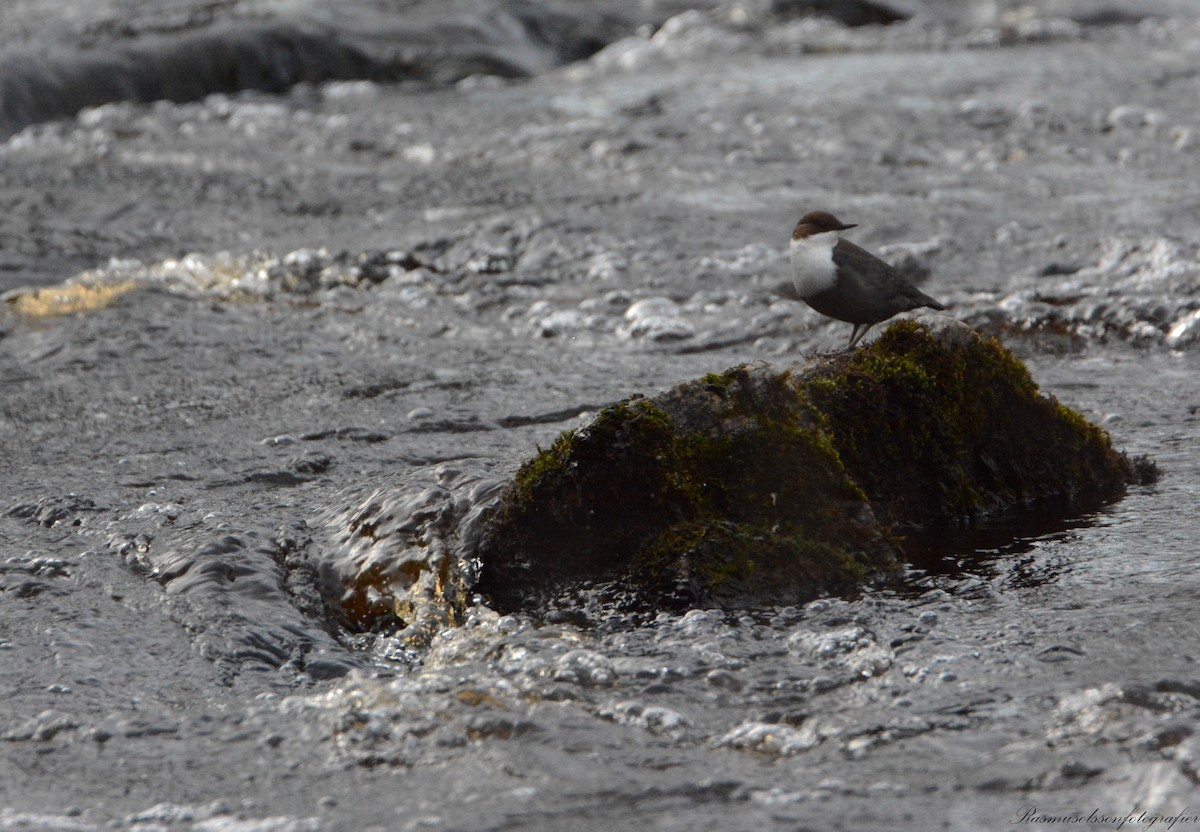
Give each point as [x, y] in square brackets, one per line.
[845, 282]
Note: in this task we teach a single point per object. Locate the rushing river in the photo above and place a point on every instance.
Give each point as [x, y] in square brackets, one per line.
[262, 316]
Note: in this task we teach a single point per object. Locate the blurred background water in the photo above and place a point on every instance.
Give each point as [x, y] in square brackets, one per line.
[368, 258]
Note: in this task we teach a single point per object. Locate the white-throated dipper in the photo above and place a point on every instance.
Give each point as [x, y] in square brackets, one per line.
[843, 281]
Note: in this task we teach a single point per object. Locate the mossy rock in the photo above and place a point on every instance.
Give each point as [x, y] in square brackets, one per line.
[937, 429]
[760, 486]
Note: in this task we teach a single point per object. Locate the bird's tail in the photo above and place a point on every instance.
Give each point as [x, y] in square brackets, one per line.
[930, 302]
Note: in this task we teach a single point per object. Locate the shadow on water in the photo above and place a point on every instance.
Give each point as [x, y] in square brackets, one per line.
[1003, 550]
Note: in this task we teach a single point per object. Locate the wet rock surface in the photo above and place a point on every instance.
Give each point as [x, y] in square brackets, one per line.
[758, 487]
[253, 346]
[719, 492]
[939, 425]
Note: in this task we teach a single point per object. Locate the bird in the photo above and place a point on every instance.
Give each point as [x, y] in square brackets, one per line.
[845, 282]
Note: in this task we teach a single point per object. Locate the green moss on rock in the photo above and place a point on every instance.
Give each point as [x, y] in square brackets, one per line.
[937, 431]
[740, 471]
[715, 562]
[759, 486]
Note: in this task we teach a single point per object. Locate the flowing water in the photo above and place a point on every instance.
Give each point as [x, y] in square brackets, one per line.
[396, 294]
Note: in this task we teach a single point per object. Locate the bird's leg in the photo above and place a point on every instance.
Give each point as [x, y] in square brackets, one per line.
[853, 338]
[856, 336]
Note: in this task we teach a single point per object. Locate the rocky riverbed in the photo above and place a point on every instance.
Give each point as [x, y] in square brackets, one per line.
[235, 325]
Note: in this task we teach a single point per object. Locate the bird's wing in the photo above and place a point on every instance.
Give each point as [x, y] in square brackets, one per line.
[873, 275]
[848, 256]
[878, 278]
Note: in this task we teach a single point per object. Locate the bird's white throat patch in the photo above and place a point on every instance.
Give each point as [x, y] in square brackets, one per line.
[812, 263]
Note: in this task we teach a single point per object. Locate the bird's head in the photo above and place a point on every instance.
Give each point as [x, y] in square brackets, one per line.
[819, 222]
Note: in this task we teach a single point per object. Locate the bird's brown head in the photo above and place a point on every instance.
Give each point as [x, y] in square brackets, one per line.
[818, 222]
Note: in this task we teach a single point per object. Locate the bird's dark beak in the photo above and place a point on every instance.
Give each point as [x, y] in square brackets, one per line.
[844, 226]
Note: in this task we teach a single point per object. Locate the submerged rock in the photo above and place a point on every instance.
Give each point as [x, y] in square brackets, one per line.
[399, 559]
[765, 486]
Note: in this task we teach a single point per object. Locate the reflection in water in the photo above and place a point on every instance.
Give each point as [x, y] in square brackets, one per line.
[1001, 549]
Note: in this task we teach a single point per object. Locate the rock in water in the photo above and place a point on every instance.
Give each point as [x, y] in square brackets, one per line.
[846, 12]
[764, 486]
